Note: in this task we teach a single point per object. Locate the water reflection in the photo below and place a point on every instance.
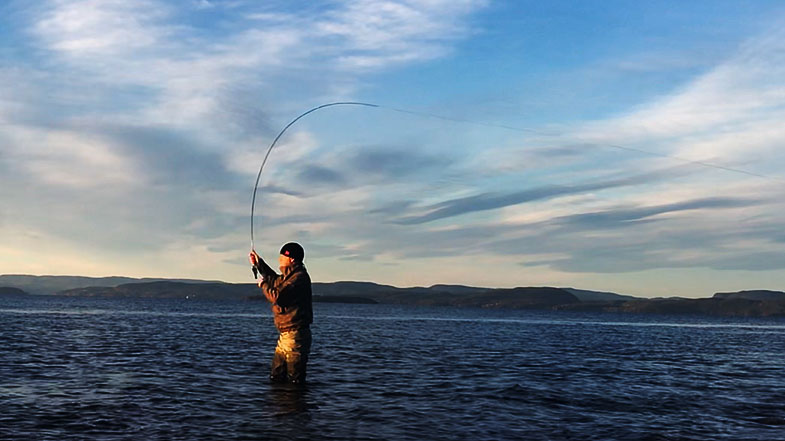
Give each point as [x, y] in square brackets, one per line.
[288, 399]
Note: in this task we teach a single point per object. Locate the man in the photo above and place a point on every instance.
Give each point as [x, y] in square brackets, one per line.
[291, 298]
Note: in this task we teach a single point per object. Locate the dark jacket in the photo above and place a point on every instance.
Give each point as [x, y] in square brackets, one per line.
[290, 295]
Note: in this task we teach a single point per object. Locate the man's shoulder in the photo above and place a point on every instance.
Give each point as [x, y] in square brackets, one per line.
[301, 273]
[304, 273]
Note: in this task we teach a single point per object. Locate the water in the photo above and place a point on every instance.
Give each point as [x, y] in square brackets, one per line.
[73, 369]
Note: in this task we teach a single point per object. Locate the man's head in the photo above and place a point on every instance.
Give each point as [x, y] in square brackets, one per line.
[291, 253]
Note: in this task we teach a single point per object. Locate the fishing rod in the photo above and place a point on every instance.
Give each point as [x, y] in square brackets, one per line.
[272, 145]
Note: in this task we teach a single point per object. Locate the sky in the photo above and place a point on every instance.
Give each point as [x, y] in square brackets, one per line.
[633, 147]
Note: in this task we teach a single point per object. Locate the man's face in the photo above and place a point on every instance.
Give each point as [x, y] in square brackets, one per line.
[284, 261]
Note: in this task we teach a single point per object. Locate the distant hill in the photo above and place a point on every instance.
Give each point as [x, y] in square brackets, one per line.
[364, 289]
[597, 296]
[348, 292]
[54, 284]
[761, 295]
[458, 289]
[168, 290]
[739, 304]
[743, 303]
[521, 298]
[11, 291]
[450, 295]
[738, 307]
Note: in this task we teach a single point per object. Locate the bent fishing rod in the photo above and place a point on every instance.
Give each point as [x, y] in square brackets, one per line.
[270, 149]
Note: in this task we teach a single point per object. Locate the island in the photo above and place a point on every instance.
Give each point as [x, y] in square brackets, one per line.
[10, 291]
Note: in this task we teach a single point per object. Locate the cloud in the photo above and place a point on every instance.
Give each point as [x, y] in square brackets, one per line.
[725, 115]
[617, 219]
[692, 233]
[171, 158]
[366, 34]
[378, 33]
[280, 190]
[379, 169]
[702, 232]
[391, 162]
[750, 261]
[493, 201]
[102, 27]
[317, 175]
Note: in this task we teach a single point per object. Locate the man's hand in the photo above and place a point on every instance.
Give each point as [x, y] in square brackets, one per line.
[254, 258]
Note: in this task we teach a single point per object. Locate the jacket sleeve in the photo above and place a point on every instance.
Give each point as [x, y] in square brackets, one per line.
[271, 287]
[265, 270]
[283, 291]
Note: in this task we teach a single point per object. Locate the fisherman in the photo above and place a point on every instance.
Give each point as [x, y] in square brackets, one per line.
[291, 298]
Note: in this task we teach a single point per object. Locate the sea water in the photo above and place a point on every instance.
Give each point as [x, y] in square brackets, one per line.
[81, 368]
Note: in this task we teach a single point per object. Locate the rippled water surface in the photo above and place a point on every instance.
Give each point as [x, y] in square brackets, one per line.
[75, 368]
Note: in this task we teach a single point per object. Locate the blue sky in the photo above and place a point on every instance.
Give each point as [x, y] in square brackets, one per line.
[605, 145]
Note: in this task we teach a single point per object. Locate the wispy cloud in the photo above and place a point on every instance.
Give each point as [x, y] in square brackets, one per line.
[691, 233]
[102, 28]
[492, 201]
[724, 115]
[380, 33]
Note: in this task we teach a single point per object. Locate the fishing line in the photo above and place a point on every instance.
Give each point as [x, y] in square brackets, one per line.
[467, 121]
[458, 120]
[615, 146]
[692, 161]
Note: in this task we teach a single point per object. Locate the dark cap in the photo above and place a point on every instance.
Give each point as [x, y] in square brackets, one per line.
[293, 250]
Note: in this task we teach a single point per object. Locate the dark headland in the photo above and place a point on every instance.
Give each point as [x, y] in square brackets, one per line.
[760, 303]
[9, 291]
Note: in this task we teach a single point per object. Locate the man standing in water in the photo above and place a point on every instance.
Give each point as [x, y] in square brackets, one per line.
[291, 298]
